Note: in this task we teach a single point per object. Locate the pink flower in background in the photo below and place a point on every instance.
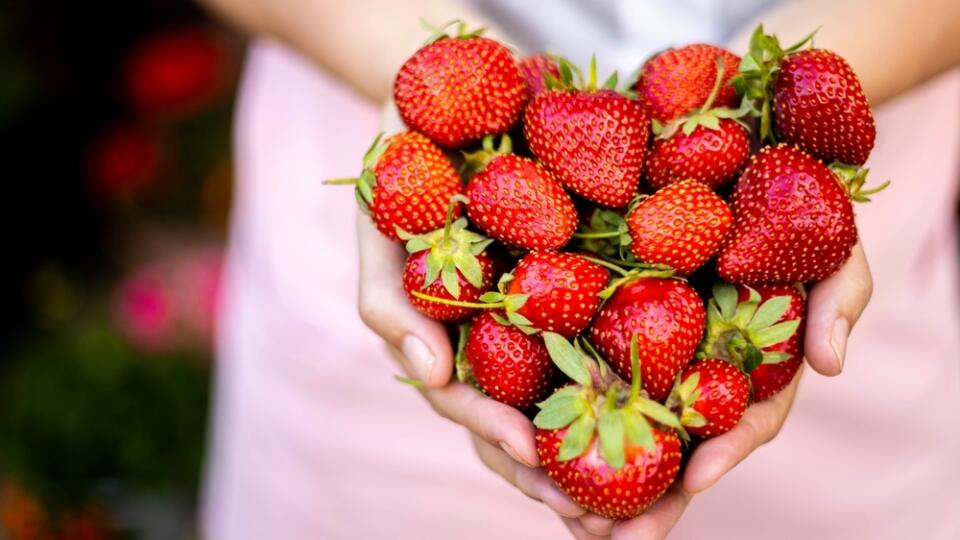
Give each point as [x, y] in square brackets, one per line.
[172, 302]
[144, 310]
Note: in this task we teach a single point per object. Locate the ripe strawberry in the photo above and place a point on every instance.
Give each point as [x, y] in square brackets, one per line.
[405, 184]
[677, 81]
[549, 291]
[758, 329]
[710, 156]
[508, 364]
[793, 220]
[667, 316]
[562, 290]
[448, 263]
[535, 68]
[816, 98]
[593, 140]
[710, 397]
[681, 226]
[457, 89]
[610, 448]
[518, 202]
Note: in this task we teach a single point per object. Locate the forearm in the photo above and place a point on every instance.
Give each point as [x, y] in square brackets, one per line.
[362, 42]
[892, 45]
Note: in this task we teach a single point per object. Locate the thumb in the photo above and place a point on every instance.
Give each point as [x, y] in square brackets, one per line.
[833, 307]
[384, 308]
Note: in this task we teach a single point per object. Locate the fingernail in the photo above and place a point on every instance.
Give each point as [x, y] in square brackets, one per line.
[838, 340]
[513, 453]
[419, 355]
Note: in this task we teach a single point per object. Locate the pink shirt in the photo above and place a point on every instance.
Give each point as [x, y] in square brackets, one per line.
[314, 439]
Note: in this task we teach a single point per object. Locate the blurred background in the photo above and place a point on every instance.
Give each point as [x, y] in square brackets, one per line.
[115, 117]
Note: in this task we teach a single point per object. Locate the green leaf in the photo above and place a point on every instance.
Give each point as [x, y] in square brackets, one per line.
[569, 391]
[470, 267]
[417, 243]
[658, 412]
[768, 313]
[518, 319]
[477, 248]
[491, 297]
[500, 320]
[610, 428]
[451, 281]
[514, 302]
[434, 265]
[710, 122]
[775, 357]
[577, 438]
[638, 430]
[692, 418]
[777, 333]
[752, 358]
[372, 155]
[748, 63]
[559, 413]
[726, 297]
[361, 203]
[689, 126]
[365, 185]
[566, 358]
[611, 82]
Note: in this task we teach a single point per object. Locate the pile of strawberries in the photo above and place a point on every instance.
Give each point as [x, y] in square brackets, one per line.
[631, 262]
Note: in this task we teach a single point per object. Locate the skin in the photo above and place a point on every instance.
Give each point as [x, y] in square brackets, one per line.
[888, 60]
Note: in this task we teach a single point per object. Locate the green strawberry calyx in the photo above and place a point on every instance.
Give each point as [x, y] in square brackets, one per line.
[572, 78]
[601, 405]
[757, 75]
[684, 395]
[453, 250]
[853, 178]
[474, 162]
[498, 300]
[463, 369]
[707, 115]
[738, 332]
[440, 32]
[367, 181]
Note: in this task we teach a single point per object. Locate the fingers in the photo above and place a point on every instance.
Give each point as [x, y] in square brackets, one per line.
[717, 456]
[384, 308]
[579, 532]
[596, 525]
[534, 483]
[498, 424]
[655, 522]
[833, 307]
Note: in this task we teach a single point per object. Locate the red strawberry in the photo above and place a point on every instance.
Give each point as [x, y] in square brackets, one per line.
[677, 81]
[817, 99]
[448, 263]
[710, 397]
[507, 364]
[535, 68]
[710, 156]
[680, 226]
[758, 329]
[594, 140]
[793, 220]
[549, 291]
[667, 316]
[610, 448]
[562, 289]
[457, 89]
[518, 202]
[406, 183]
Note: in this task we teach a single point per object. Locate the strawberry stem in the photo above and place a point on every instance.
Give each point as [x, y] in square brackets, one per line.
[445, 242]
[341, 182]
[592, 235]
[459, 303]
[605, 264]
[715, 91]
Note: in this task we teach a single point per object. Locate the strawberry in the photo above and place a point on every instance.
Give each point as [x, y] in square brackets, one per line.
[667, 316]
[680, 226]
[457, 89]
[677, 81]
[535, 68]
[758, 329]
[508, 364]
[405, 184]
[518, 202]
[793, 219]
[594, 140]
[448, 263]
[816, 98]
[549, 291]
[610, 448]
[710, 397]
[562, 289]
[710, 156]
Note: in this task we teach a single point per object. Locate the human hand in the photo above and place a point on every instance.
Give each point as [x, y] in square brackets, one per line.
[833, 306]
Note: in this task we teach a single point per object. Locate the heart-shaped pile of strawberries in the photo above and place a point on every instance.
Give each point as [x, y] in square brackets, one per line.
[562, 242]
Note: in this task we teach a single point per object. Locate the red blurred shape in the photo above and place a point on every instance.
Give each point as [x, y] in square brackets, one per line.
[176, 72]
[123, 161]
